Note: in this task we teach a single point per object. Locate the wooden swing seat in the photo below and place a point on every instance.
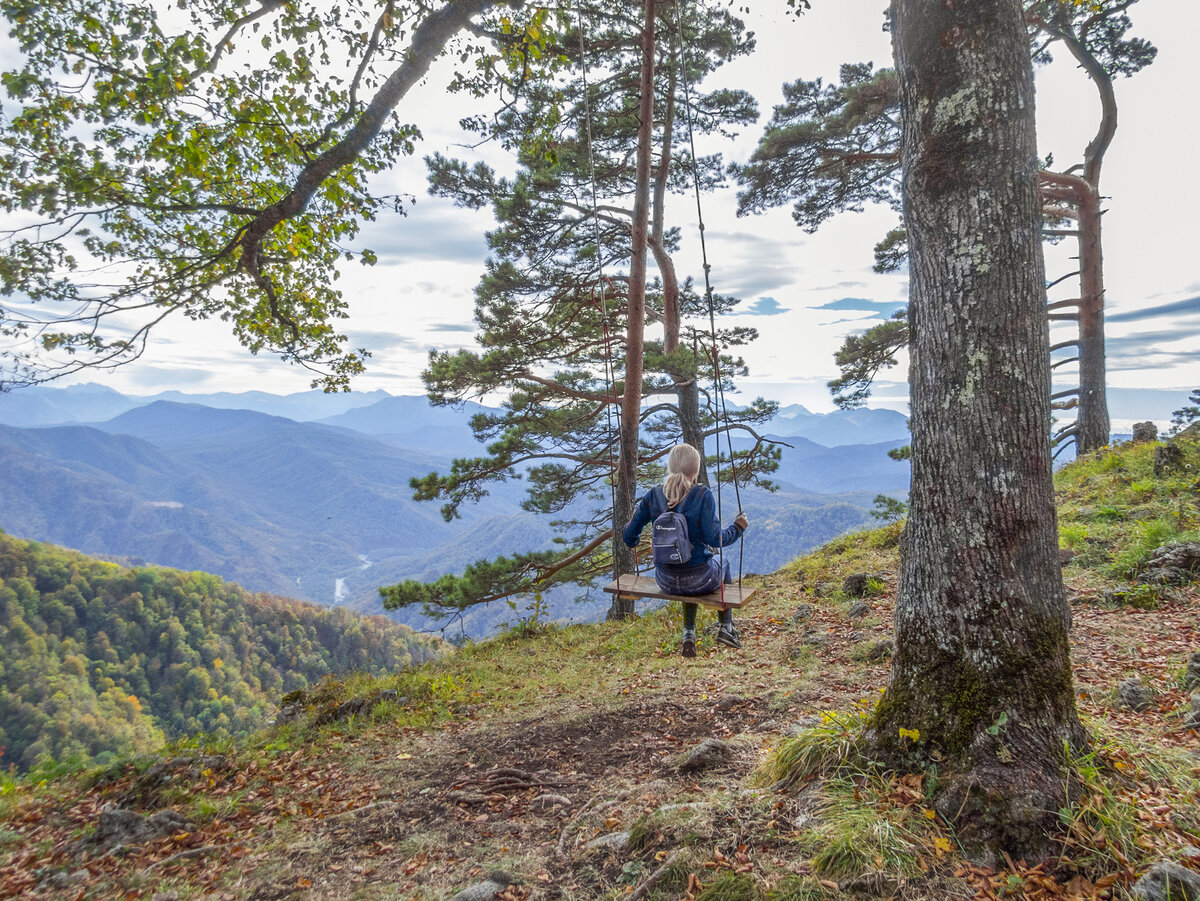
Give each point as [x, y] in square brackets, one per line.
[633, 587]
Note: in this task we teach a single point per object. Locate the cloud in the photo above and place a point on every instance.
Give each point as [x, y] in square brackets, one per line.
[164, 376]
[377, 341]
[431, 232]
[752, 266]
[1141, 344]
[1154, 360]
[858, 321]
[765, 306]
[881, 308]
[841, 286]
[1191, 305]
[452, 326]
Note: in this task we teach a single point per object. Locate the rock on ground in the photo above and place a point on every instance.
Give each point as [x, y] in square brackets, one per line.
[119, 826]
[1191, 719]
[1167, 881]
[1191, 678]
[1180, 554]
[881, 650]
[497, 881]
[1144, 431]
[1135, 695]
[613, 841]
[709, 753]
[855, 585]
[1167, 459]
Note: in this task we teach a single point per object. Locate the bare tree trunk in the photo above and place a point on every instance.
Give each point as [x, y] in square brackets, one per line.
[1092, 426]
[981, 681]
[636, 311]
[687, 391]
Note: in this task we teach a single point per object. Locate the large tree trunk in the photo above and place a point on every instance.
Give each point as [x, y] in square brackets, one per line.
[982, 673]
[636, 312]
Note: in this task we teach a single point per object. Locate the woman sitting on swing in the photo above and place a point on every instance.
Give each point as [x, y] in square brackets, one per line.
[703, 572]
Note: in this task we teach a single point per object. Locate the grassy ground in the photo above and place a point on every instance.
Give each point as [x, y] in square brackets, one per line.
[519, 753]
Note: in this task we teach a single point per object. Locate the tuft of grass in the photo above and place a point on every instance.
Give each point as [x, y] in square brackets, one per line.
[800, 888]
[862, 821]
[1072, 535]
[1139, 597]
[729, 886]
[854, 837]
[875, 587]
[9, 798]
[828, 747]
[866, 551]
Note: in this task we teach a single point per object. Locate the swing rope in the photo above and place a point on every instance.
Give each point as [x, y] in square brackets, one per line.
[721, 411]
[600, 302]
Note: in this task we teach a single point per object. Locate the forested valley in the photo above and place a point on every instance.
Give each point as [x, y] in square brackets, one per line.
[99, 660]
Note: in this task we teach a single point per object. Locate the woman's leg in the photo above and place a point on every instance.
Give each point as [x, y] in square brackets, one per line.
[725, 617]
[689, 630]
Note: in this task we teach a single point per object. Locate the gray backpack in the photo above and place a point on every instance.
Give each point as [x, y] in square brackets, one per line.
[670, 541]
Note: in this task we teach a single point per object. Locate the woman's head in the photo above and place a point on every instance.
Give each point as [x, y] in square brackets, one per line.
[683, 468]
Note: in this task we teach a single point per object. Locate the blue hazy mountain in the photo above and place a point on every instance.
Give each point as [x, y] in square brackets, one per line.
[840, 427]
[323, 510]
[301, 406]
[43, 405]
[845, 468]
[118, 495]
[412, 422]
[271, 503]
[91, 403]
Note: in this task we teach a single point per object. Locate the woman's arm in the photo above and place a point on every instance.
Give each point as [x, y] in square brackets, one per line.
[711, 532]
[641, 516]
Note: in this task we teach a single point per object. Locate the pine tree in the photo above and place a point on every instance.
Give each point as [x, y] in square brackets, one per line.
[1187, 414]
[552, 305]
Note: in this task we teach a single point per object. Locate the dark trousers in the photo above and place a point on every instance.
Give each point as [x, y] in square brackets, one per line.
[692, 580]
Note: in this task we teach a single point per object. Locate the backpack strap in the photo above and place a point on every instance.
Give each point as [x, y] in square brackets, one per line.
[657, 502]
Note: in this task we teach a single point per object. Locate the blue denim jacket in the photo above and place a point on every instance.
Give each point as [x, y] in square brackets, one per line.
[699, 508]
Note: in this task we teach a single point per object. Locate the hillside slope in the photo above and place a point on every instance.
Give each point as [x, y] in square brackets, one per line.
[98, 659]
[560, 759]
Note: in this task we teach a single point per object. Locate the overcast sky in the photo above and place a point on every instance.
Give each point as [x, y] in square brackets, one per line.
[804, 292]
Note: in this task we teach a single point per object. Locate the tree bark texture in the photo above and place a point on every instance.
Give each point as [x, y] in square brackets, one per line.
[982, 672]
[635, 329]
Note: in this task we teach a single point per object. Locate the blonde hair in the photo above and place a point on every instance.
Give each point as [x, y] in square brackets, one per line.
[683, 468]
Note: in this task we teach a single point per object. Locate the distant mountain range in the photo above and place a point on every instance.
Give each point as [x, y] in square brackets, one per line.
[90, 403]
[862, 426]
[322, 510]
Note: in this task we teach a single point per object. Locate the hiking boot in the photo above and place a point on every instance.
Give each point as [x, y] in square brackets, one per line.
[728, 636]
[689, 642]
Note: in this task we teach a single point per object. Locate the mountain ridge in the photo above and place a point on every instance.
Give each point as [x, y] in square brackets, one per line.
[295, 507]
